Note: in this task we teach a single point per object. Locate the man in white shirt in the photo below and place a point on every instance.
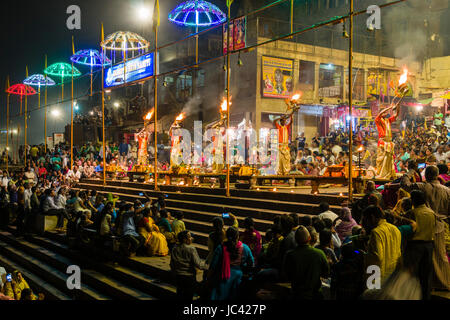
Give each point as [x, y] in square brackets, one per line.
[50, 208]
[60, 200]
[4, 179]
[65, 159]
[27, 196]
[440, 154]
[324, 208]
[30, 175]
[74, 175]
[336, 149]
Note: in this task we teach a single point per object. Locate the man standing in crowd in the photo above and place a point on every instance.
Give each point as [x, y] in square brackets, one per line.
[384, 245]
[123, 151]
[437, 197]
[419, 250]
[183, 262]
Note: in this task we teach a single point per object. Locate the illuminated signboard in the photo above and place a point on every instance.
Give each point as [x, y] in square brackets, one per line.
[136, 69]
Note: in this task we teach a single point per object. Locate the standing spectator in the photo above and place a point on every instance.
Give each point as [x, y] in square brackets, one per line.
[226, 269]
[437, 198]
[215, 238]
[304, 266]
[184, 261]
[419, 250]
[384, 245]
[123, 151]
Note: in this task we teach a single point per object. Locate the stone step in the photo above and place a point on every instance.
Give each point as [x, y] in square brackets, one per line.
[37, 284]
[46, 272]
[140, 280]
[99, 281]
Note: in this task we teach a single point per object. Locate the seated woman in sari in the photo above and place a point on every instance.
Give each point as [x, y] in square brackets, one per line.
[344, 228]
[155, 242]
[225, 271]
[166, 227]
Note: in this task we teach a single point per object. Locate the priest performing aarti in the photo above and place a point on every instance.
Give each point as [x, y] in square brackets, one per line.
[218, 162]
[176, 155]
[142, 139]
[385, 148]
[283, 124]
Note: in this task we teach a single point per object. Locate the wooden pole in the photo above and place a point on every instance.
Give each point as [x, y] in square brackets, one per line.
[71, 125]
[45, 109]
[228, 102]
[25, 130]
[155, 70]
[17, 141]
[91, 78]
[292, 17]
[103, 124]
[7, 131]
[350, 99]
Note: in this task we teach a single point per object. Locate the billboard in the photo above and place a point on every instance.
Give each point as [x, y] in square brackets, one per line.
[237, 35]
[277, 77]
[50, 142]
[136, 69]
[58, 138]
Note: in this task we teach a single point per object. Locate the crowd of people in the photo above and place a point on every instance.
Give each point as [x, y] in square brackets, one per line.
[323, 257]
[425, 146]
[404, 235]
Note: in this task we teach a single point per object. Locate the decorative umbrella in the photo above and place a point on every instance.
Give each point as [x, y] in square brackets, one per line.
[63, 70]
[197, 13]
[21, 90]
[124, 41]
[90, 57]
[39, 80]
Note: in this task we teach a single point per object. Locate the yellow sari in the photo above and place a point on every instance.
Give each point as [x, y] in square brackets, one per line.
[155, 241]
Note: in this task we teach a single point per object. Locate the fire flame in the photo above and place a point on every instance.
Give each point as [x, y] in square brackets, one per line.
[296, 96]
[180, 117]
[223, 106]
[149, 115]
[403, 77]
[360, 149]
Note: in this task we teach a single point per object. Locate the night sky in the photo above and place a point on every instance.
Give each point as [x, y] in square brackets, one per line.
[36, 28]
